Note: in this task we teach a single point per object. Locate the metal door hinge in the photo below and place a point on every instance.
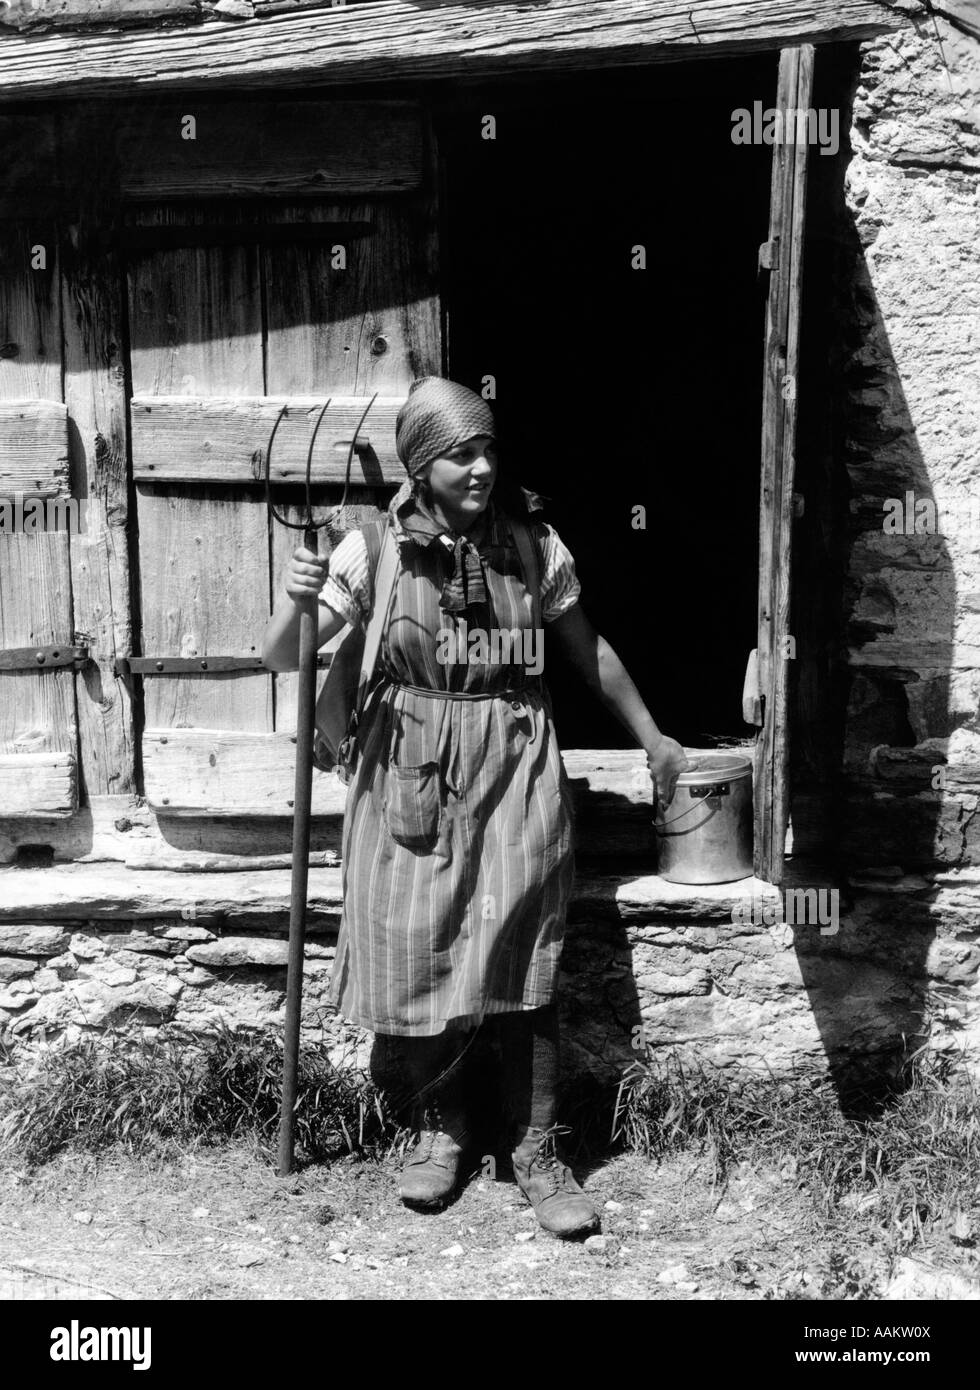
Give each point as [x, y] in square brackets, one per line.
[43, 658]
[192, 665]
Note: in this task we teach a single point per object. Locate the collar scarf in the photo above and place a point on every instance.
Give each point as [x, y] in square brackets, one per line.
[466, 583]
[413, 523]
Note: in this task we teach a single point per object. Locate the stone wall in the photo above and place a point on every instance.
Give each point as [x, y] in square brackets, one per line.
[910, 423]
[699, 971]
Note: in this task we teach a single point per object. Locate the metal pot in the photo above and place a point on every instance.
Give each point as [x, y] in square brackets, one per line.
[706, 835]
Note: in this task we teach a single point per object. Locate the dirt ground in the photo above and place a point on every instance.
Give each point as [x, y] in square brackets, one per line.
[219, 1224]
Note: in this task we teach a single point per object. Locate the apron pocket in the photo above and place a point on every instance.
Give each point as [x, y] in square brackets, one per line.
[413, 805]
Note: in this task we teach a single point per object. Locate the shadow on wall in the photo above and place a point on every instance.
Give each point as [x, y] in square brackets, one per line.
[874, 614]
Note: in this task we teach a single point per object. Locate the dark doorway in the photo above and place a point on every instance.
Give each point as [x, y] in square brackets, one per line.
[617, 387]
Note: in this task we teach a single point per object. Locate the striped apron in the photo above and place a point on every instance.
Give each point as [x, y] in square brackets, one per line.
[457, 842]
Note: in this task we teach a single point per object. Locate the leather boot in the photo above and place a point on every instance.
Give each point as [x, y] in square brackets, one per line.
[431, 1172]
[546, 1181]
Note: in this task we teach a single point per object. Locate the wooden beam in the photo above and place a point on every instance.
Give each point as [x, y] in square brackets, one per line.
[33, 448]
[225, 439]
[38, 786]
[399, 39]
[294, 147]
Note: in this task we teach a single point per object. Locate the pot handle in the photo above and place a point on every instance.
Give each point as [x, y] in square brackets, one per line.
[713, 811]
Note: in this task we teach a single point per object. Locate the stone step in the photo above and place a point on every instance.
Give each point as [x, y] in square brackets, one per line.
[260, 898]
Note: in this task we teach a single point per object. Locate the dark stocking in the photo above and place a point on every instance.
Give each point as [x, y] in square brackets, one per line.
[529, 1062]
[428, 1092]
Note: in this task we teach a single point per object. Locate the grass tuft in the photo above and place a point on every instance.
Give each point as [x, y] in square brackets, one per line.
[914, 1157]
[909, 1165]
[181, 1091]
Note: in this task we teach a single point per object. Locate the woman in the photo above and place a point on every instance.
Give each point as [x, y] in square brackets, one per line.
[457, 844]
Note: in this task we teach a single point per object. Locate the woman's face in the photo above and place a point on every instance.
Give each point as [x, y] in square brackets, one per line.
[462, 479]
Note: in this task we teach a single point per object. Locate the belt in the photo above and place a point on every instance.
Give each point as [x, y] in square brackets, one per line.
[512, 695]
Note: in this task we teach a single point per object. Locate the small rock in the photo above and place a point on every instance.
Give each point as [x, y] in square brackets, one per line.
[674, 1274]
[293, 1239]
[84, 1218]
[12, 1000]
[524, 1235]
[87, 947]
[597, 1245]
[614, 1206]
[201, 1213]
[338, 1257]
[336, 1247]
[687, 1286]
[453, 1251]
[643, 1225]
[247, 1258]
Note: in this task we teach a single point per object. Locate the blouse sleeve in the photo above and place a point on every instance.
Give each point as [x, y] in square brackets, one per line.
[348, 587]
[560, 587]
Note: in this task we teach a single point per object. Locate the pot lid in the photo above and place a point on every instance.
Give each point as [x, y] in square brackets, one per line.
[715, 767]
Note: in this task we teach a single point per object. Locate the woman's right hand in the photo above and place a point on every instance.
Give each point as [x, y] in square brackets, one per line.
[306, 574]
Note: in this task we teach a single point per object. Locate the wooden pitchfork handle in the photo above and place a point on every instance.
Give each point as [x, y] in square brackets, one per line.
[302, 799]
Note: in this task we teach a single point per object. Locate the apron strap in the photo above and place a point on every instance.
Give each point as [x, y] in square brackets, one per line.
[528, 553]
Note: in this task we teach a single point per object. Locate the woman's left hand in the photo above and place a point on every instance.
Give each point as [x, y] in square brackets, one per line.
[666, 761]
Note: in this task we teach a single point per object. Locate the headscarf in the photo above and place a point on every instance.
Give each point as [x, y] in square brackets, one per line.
[438, 415]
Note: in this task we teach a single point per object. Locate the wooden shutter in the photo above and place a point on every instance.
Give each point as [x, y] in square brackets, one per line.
[782, 256]
[38, 726]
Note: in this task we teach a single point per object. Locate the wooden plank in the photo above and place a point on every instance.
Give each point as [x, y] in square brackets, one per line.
[291, 148]
[30, 157]
[38, 786]
[225, 440]
[403, 39]
[30, 318]
[124, 828]
[219, 773]
[95, 391]
[373, 326]
[33, 448]
[37, 709]
[196, 329]
[786, 227]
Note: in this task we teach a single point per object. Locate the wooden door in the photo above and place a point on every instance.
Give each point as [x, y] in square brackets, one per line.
[782, 256]
[234, 310]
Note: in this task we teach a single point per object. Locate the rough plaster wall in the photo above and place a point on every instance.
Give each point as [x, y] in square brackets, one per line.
[912, 424]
